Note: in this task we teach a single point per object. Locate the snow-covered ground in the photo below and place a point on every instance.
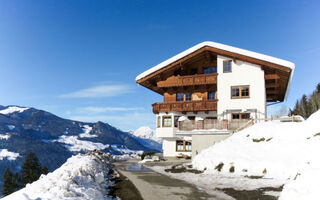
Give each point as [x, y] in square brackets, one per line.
[12, 109]
[81, 177]
[4, 153]
[275, 150]
[74, 144]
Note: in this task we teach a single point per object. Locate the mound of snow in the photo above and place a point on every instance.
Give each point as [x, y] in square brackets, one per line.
[12, 109]
[303, 185]
[81, 177]
[269, 149]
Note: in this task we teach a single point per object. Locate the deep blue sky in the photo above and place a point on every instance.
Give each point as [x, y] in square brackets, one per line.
[79, 59]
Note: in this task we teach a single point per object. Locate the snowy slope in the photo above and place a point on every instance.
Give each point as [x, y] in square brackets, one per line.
[12, 109]
[147, 137]
[270, 149]
[81, 177]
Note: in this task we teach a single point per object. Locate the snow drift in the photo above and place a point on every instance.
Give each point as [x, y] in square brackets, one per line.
[81, 177]
[269, 149]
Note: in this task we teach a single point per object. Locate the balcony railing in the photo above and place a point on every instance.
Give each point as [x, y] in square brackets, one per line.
[208, 124]
[198, 79]
[185, 106]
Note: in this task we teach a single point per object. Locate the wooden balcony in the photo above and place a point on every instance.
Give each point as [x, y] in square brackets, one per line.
[185, 106]
[198, 79]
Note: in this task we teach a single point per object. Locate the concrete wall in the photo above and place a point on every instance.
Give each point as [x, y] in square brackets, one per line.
[201, 142]
[243, 73]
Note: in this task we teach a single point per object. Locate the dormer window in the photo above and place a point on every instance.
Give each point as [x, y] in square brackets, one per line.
[227, 66]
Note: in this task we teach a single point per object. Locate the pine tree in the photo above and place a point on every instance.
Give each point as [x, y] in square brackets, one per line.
[7, 187]
[31, 169]
[44, 170]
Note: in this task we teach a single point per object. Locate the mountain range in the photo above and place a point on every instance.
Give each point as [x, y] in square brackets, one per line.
[54, 139]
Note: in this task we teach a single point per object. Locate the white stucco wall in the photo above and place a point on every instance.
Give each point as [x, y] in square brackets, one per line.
[243, 73]
[169, 148]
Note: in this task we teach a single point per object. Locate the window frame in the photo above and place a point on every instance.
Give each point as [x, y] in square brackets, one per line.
[159, 121]
[214, 95]
[227, 61]
[239, 87]
[163, 119]
[178, 98]
[240, 116]
[185, 96]
[184, 145]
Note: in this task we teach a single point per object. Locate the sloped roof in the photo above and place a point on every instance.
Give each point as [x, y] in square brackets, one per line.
[226, 48]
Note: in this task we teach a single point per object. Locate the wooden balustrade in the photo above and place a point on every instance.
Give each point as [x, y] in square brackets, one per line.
[185, 106]
[198, 79]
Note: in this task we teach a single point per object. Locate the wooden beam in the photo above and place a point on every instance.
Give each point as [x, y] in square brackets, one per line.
[271, 76]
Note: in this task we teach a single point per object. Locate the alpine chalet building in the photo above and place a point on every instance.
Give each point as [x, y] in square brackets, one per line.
[210, 91]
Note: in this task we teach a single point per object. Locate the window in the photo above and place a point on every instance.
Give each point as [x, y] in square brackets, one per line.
[180, 97]
[240, 115]
[235, 116]
[166, 121]
[209, 70]
[187, 146]
[188, 96]
[235, 92]
[240, 92]
[176, 121]
[206, 70]
[192, 118]
[245, 91]
[184, 96]
[158, 121]
[227, 66]
[245, 116]
[182, 145]
[211, 95]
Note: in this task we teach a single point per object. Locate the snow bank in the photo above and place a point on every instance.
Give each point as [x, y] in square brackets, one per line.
[12, 109]
[303, 185]
[81, 177]
[4, 153]
[269, 149]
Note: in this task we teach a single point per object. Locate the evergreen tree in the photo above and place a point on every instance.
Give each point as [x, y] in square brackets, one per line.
[31, 169]
[306, 106]
[7, 187]
[44, 170]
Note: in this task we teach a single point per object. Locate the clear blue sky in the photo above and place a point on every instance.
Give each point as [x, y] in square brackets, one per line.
[79, 59]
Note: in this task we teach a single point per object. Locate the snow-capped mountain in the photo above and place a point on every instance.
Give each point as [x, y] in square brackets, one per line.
[146, 132]
[54, 139]
[81, 177]
[148, 138]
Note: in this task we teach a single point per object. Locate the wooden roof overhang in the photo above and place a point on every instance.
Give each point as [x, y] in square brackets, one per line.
[277, 76]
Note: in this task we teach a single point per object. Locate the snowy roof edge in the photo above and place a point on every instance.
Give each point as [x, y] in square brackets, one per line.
[226, 48]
